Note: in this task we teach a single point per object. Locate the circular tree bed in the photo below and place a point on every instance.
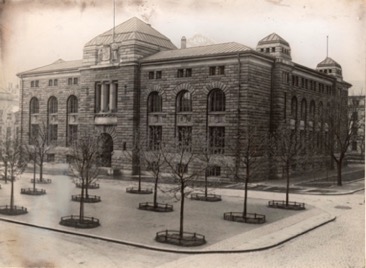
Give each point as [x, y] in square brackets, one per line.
[88, 199]
[136, 190]
[250, 217]
[16, 210]
[32, 191]
[157, 208]
[43, 181]
[90, 186]
[203, 197]
[282, 204]
[186, 240]
[75, 221]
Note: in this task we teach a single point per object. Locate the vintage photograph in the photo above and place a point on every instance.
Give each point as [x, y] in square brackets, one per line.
[220, 133]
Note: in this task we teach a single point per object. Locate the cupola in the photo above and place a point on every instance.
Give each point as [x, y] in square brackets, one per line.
[275, 45]
[330, 67]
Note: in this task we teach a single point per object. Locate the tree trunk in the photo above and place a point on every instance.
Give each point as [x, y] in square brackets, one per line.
[246, 193]
[156, 191]
[12, 190]
[6, 173]
[181, 211]
[41, 170]
[81, 214]
[287, 183]
[139, 167]
[34, 174]
[206, 183]
[339, 172]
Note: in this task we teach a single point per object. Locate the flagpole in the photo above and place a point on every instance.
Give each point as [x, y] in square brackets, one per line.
[114, 17]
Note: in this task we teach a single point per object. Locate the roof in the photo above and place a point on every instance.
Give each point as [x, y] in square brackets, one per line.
[273, 38]
[56, 66]
[133, 29]
[328, 62]
[224, 48]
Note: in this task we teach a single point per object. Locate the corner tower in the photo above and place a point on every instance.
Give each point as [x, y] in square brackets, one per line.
[275, 45]
[330, 67]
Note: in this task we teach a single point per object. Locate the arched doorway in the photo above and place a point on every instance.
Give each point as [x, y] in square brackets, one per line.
[105, 145]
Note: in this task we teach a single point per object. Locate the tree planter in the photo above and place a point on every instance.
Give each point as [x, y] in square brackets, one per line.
[187, 240]
[84, 223]
[90, 186]
[88, 199]
[32, 191]
[157, 208]
[43, 181]
[282, 204]
[250, 217]
[6, 210]
[208, 198]
[135, 190]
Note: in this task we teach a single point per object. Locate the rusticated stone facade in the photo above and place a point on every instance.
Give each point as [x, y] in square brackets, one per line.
[134, 81]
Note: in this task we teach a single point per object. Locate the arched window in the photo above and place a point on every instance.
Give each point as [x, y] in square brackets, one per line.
[216, 101]
[312, 110]
[184, 101]
[34, 106]
[303, 109]
[72, 105]
[154, 102]
[52, 105]
[294, 107]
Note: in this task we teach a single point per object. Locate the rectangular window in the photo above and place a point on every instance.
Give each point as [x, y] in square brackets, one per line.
[158, 75]
[50, 83]
[180, 73]
[50, 157]
[212, 70]
[55, 82]
[32, 83]
[73, 134]
[36, 83]
[151, 75]
[188, 72]
[185, 138]
[182, 168]
[213, 171]
[98, 92]
[273, 49]
[217, 140]
[155, 137]
[221, 70]
[69, 81]
[53, 133]
[284, 105]
[76, 81]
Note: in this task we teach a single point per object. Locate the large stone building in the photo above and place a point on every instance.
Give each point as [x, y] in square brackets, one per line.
[135, 80]
[9, 112]
[356, 110]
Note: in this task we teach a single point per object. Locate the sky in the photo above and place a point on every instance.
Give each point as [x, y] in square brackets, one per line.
[35, 33]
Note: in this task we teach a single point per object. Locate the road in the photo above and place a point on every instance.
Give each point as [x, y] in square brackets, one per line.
[337, 244]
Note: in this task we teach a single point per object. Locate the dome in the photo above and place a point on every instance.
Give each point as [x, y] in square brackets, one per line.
[328, 62]
[275, 45]
[273, 38]
[330, 67]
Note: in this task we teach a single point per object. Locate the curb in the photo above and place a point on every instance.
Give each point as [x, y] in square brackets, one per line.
[126, 243]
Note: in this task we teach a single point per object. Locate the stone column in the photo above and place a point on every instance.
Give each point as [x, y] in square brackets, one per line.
[104, 98]
[112, 97]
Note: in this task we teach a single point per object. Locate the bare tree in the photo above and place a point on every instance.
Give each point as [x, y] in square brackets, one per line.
[343, 124]
[250, 148]
[286, 147]
[178, 155]
[12, 152]
[84, 158]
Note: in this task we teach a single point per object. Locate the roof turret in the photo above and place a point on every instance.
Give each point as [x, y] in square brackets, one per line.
[275, 45]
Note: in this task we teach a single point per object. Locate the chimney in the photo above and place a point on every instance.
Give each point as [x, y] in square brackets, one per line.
[183, 42]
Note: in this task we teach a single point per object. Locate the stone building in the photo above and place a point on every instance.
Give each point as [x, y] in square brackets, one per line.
[135, 80]
[356, 110]
[9, 112]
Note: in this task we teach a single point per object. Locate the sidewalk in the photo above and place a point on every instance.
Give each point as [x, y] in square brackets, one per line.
[123, 223]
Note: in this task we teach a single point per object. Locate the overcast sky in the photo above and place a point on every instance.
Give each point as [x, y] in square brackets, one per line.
[36, 33]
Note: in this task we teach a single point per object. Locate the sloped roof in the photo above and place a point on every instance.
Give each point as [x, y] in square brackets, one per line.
[133, 29]
[273, 38]
[224, 48]
[56, 66]
[328, 62]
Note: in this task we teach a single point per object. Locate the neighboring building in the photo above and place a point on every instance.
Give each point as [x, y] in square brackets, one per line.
[356, 109]
[9, 112]
[137, 81]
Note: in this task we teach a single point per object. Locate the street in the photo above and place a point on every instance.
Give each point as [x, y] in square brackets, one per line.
[337, 244]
